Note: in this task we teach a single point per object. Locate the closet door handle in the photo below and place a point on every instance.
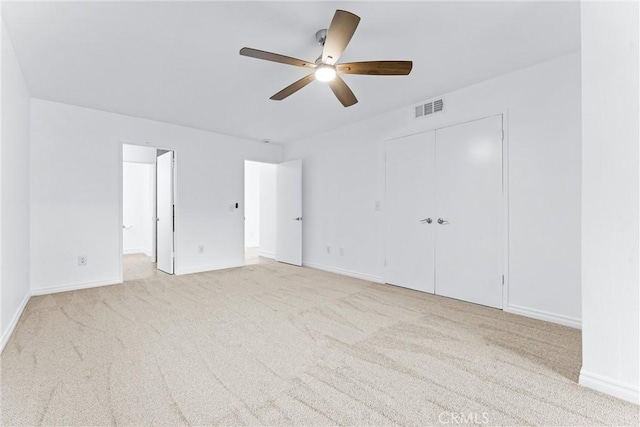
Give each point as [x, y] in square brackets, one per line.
[426, 220]
[442, 221]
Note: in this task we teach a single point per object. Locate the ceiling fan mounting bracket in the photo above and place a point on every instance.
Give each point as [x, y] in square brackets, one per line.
[321, 36]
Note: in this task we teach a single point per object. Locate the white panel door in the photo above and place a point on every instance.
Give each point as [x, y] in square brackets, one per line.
[469, 216]
[165, 211]
[410, 210]
[289, 212]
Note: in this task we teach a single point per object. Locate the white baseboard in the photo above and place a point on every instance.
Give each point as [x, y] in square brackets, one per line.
[74, 287]
[205, 268]
[266, 254]
[14, 321]
[344, 272]
[560, 319]
[610, 386]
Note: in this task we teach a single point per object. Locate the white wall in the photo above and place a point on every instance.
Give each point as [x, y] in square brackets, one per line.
[610, 198]
[137, 208]
[75, 194]
[14, 287]
[268, 194]
[343, 177]
[251, 204]
[3, 329]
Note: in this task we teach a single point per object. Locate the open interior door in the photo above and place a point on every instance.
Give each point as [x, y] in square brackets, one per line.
[165, 212]
[289, 212]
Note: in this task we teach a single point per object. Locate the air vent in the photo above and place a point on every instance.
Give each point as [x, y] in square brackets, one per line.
[429, 108]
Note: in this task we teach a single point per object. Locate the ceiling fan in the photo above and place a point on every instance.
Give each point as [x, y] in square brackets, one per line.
[334, 41]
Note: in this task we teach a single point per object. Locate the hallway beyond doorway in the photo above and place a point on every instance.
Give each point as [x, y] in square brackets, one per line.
[139, 266]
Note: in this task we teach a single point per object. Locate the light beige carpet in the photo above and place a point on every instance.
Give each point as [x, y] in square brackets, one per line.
[252, 256]
[139, 266]
[272, 344]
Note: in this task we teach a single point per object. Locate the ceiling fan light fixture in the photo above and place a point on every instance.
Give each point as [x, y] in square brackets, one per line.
[325, 73]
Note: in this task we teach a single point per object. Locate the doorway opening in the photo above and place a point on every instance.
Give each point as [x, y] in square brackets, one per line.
[147, 212]
[259, 212]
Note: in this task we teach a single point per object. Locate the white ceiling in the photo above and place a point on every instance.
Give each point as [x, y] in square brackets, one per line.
[178, 62]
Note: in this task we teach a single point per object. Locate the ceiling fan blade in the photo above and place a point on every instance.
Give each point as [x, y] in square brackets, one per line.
[342, 92]
[269, 56]
[294, 87]
[339, 33]
[376, 68]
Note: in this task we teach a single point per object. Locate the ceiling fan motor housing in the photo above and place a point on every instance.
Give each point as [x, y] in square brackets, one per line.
[321, 36]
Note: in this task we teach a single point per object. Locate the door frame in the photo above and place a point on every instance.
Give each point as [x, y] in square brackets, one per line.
[120, 168]
[505, 187]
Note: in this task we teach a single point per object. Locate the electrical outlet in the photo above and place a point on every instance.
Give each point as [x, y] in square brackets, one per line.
[341, 251]
[328, 250]
[82, 260]
[200, 249]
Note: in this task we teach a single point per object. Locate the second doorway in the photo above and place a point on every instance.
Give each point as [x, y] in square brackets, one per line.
[260, 182]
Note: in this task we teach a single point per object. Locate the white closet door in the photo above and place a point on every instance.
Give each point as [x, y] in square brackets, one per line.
[469, 216]
[410, 206]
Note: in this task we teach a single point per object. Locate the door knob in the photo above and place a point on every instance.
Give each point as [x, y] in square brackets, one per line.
[442, 221]
[298, 218]
[427, 220]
